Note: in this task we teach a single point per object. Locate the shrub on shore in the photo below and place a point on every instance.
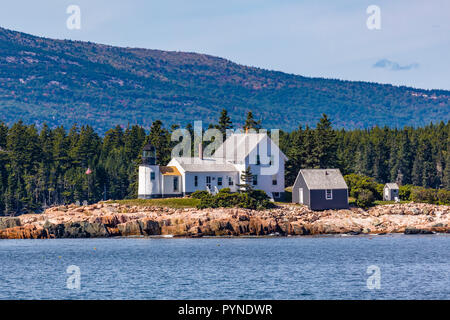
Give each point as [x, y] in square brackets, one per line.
[200, 194]
[363, 189]
[254, 199]
[365, 198]
[433, 196]
[357, 183]
[404, 192]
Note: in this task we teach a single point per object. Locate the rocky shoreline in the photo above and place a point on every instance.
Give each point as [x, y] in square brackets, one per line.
[107, 219]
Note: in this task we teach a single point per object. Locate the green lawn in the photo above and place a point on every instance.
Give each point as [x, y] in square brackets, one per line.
[380, 202]
[176, 203]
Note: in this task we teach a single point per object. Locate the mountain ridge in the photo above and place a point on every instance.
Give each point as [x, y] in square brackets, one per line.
[61, 82]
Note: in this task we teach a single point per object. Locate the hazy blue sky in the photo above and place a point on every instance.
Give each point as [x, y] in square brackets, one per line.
[326, 38]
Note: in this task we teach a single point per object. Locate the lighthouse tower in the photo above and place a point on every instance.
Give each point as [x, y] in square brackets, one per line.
[149, 175]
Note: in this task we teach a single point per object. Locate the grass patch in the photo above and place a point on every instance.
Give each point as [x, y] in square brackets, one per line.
[176, 203]
[380, 202]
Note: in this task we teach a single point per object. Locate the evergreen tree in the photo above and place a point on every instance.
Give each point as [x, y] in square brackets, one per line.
[296, 155]
[251, 123]
[325, 144]
[224, 123]
[247, 179]
[159, 137]
[402, 159]
[446, 179]
[309, 145]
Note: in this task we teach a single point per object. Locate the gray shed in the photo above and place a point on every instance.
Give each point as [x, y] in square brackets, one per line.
[320, 189]
[390, 192]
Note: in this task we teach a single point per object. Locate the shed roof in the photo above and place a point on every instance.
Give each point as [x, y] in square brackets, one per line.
[391, 185]
[318, 179]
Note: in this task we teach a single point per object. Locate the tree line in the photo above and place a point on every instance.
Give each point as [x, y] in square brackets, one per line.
[40, 168]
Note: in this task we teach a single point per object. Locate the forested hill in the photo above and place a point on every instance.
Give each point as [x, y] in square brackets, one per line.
[61, 82]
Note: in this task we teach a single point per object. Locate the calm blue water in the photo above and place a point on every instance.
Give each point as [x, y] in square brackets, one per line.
[412, 267]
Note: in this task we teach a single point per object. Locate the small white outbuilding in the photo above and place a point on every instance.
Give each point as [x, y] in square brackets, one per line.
[391, 192]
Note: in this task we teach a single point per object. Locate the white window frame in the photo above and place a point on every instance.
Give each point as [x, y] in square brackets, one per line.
[331, 194]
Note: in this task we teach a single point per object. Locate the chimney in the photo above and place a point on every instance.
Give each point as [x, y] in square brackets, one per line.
[200, 151]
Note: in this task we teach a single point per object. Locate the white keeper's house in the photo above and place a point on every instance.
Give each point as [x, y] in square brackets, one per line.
[184, 175]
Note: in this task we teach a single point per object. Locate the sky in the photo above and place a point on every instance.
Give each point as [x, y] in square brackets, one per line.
[325, 38]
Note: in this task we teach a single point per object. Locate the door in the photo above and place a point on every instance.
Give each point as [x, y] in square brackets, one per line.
[208, 182]
[300, 195]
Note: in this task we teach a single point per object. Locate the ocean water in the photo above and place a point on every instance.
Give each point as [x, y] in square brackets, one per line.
[330, 267]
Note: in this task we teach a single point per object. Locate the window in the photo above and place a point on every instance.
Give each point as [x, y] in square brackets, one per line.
[258, 160]
[208, 182]
[230, 181]
[175, 183]
[219, 181]
[152, 176]
[329, 194]
[255, 180]
[195, 181]
[274, 180]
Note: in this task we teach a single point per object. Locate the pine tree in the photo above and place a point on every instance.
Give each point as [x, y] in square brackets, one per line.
[402, 159]
[159, 137]
[224, 123]
[251, 123]
[325, 144]
[446, 179]
[428, 173]
[311, 160]
[296, 155]
[247, 179]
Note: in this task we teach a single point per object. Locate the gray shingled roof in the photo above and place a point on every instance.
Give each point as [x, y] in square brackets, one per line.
[392, 185]
[318, 179]
[204, 165]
